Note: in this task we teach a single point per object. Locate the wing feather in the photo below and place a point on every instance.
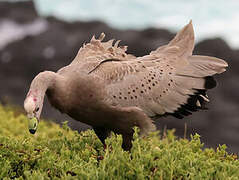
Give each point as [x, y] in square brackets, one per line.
[170, 80]
[95, 52]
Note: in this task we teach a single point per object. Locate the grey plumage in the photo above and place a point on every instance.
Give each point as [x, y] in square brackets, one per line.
[114, 91]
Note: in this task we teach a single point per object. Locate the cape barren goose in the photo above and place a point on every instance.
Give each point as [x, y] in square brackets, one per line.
[114, 91]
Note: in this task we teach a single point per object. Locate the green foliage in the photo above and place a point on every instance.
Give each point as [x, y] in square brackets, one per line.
[56, 152]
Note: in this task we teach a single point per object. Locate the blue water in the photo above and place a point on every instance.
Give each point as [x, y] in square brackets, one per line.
[211, 18]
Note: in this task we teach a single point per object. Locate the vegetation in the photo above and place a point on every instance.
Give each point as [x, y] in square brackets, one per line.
[56, 152]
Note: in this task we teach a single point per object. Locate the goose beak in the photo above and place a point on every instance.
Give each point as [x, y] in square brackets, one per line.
[32, 125]
[32, 131]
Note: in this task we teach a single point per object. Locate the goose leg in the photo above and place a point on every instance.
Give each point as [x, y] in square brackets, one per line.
[102, 133]
[125, 119]
[127, 142]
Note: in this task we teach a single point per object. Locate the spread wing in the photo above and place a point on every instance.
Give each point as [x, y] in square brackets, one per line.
[92, 54]
[168, 81]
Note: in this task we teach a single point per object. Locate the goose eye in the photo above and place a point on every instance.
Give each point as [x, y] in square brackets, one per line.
[37, 109]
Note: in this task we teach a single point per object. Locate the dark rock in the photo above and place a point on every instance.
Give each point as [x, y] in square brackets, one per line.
[58, 45]
[20, 12]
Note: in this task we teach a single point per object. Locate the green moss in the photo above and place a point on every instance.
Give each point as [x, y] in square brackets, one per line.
[56, 152]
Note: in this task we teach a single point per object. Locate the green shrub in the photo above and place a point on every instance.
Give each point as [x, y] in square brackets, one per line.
[56, 152]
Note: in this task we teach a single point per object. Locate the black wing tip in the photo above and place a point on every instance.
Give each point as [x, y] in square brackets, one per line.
[210, 82]
[197, 101]
[191, 105]
[199, 96]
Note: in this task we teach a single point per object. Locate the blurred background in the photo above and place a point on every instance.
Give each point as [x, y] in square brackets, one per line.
[46, 35]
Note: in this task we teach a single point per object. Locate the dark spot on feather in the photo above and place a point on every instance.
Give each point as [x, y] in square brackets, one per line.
[142, 91]
[114, 96]
[135, 97]
[120, 97]
[129, 92]
[171, 80]
[168, 84]
[133, 90]
[167, 65]
[149, 80]
[136, 88]
[152, 78]
[164, 91]
[153, 84]
[160, 95]
[125, 97]
[169, 73]
[131, 97]
[120, 93]
[143, 66]
[149, 88]
[142, 85]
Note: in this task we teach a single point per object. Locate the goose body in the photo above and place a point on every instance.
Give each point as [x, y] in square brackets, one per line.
[114, 91]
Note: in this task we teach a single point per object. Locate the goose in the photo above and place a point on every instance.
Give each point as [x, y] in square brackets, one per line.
[111, 90]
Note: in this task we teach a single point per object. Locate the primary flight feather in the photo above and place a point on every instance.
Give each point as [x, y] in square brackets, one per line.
[114, 91]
